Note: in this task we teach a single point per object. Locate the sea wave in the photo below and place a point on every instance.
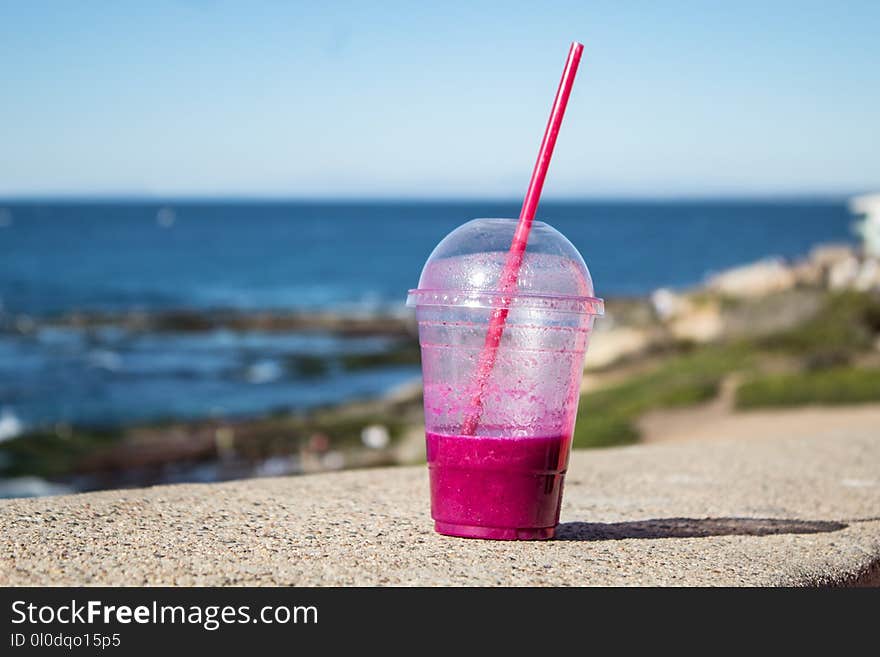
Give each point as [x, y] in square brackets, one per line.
[264, 371]
[31, 487]
[10, 425]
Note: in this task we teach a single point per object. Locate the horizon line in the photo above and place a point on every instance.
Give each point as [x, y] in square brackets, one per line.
[829, 197]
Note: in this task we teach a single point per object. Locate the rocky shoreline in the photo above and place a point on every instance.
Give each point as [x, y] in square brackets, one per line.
[187, 321]
[818, 317]
[757, 299]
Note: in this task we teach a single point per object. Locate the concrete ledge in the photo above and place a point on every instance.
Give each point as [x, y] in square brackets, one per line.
[789, 511]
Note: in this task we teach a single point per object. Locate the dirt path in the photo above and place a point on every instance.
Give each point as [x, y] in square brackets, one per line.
[717, 419]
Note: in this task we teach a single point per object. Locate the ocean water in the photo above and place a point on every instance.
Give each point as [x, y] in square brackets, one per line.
[56, 258]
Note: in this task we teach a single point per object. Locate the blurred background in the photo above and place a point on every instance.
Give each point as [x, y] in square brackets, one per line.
[210, 213]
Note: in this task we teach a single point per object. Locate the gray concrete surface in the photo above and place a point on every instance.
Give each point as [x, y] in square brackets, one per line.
[789, 511]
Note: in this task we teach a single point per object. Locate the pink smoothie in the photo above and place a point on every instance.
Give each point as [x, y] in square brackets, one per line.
[500, 488]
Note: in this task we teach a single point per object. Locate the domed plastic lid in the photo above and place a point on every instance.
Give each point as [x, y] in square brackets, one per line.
[465, 269]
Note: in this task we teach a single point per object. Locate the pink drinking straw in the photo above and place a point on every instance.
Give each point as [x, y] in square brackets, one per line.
[510, 273]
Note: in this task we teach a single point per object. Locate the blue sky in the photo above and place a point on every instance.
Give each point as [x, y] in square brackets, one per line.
[386, 99]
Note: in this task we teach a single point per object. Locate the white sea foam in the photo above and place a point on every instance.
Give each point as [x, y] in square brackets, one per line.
[31, 487]
[10, 425]
[105, 359]
[264, 371]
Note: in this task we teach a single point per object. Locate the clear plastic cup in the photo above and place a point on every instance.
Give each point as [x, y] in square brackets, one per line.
[505, 481]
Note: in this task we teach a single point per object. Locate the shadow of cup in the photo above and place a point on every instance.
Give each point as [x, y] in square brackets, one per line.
[691, 528]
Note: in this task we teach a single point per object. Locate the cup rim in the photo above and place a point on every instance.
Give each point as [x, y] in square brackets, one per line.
[492, 299]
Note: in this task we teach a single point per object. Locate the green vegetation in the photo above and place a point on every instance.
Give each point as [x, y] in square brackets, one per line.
[48, 454]
[844, 327]
[58, 454]
[310, 366]
[833, 386]
[608, 416]
[342, 429]
[820, 351]
[401, 353]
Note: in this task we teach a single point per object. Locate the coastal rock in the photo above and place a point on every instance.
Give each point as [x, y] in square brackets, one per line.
[842, 275]
[774, 313]
[826, 256]
[868, 276]
[813, 270]
[809, 274]
[842, 268]
[754, 280]
[703, 323]
[614, 344]
[686, 318]
[668, 304]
